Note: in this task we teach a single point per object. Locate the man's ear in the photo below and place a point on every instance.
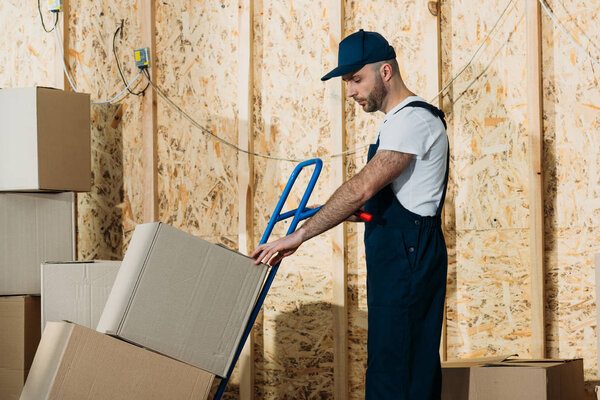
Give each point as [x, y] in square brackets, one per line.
[385, 71]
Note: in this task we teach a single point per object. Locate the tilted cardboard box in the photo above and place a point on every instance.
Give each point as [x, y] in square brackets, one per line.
[19, 338]
[44, 140]
[76, 291]
[34, 227]
[183, 297]
[74, 362]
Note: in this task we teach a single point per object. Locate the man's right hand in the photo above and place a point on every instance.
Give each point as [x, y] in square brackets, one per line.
[273, 252]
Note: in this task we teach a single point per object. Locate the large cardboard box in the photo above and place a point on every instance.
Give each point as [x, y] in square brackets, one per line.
[44, 140]
[76, 291]
[509, 379]
[34, 227]
[74, 363]
[19, 338]
[183, 297]
[529, 379]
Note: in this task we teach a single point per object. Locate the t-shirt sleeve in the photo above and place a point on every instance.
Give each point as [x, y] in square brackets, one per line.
[407, 132]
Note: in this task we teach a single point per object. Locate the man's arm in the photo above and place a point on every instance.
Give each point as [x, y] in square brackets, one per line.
[383, 168]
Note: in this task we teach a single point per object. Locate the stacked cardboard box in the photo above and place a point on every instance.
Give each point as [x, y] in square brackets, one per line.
[19, 337]
[44, 140]
[76, 291]
[44, 147]
[507, 379]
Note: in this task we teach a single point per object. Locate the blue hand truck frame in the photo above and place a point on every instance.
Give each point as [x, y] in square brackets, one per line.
[299, 214]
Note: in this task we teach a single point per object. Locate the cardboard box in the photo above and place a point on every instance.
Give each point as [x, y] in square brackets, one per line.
[19, 338]
[456, 376]
[183, 297]
[529, 379]
[34, 227]
[76, 291]
[44, 140]
[74, 362]
[511, 379]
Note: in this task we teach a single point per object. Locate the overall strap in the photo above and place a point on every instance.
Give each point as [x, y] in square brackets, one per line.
[433, 109]
[440, 114]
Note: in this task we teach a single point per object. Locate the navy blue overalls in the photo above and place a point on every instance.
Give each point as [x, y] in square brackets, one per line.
[407, 264]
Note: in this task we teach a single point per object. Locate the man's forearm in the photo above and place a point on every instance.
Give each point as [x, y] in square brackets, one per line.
[343, 203]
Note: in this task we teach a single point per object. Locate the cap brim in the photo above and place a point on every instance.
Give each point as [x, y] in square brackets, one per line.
[342, 70]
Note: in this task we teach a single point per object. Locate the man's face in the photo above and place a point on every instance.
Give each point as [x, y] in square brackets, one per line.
[366, 87]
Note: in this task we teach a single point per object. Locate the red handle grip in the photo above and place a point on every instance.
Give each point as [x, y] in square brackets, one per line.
[365, 216]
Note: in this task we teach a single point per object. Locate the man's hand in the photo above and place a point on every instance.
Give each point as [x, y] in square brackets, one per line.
[273, 252]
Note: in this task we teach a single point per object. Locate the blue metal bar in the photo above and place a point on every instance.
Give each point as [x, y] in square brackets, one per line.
[299, 214]
[308, 212]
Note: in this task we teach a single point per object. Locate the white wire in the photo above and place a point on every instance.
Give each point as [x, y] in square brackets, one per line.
[581, 49]
[121, 92]
[62, 58]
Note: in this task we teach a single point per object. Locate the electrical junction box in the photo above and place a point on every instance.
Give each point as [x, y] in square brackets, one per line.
[142, 57]
[55, 5]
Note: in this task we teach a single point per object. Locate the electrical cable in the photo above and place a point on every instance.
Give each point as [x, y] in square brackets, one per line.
[141, 92]
[121, 92]
[208, 132]
[563, 30]
[42, 19]
[71, 81]
[483, 42]
[490, 63]
[349, 151]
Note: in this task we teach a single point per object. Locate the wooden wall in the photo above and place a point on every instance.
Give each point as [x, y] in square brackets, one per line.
[488, 208]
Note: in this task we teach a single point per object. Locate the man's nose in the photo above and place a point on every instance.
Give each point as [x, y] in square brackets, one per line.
[350, 92]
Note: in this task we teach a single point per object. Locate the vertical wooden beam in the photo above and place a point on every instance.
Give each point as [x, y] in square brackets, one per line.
[536, 188]
[335, 103]
[433, 78]
[149, 117]
[246, 169]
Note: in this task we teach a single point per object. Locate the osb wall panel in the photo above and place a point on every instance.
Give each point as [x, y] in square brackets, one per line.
[196, 49]
[490, 314]
[197, 58]
[486, 227]
[401, 24]
[28, 53]
[294, 339]
[100, 229]
[108, 214]
[571, 165]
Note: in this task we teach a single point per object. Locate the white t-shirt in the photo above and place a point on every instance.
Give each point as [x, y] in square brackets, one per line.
[417, 131]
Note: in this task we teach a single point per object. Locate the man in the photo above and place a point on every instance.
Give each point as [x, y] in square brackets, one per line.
[403, 186]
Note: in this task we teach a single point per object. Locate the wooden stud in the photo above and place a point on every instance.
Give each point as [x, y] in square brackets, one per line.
[149, 115]
[335, 99]
[536, 199]
[246, 170]
[433, 73]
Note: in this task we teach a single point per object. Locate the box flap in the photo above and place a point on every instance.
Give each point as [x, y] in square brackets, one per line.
[533, 363]
[473, 362]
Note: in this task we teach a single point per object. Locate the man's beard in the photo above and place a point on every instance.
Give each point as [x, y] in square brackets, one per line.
[375, 98]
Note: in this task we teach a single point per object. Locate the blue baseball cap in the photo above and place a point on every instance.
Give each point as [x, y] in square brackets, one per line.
[359, 49]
